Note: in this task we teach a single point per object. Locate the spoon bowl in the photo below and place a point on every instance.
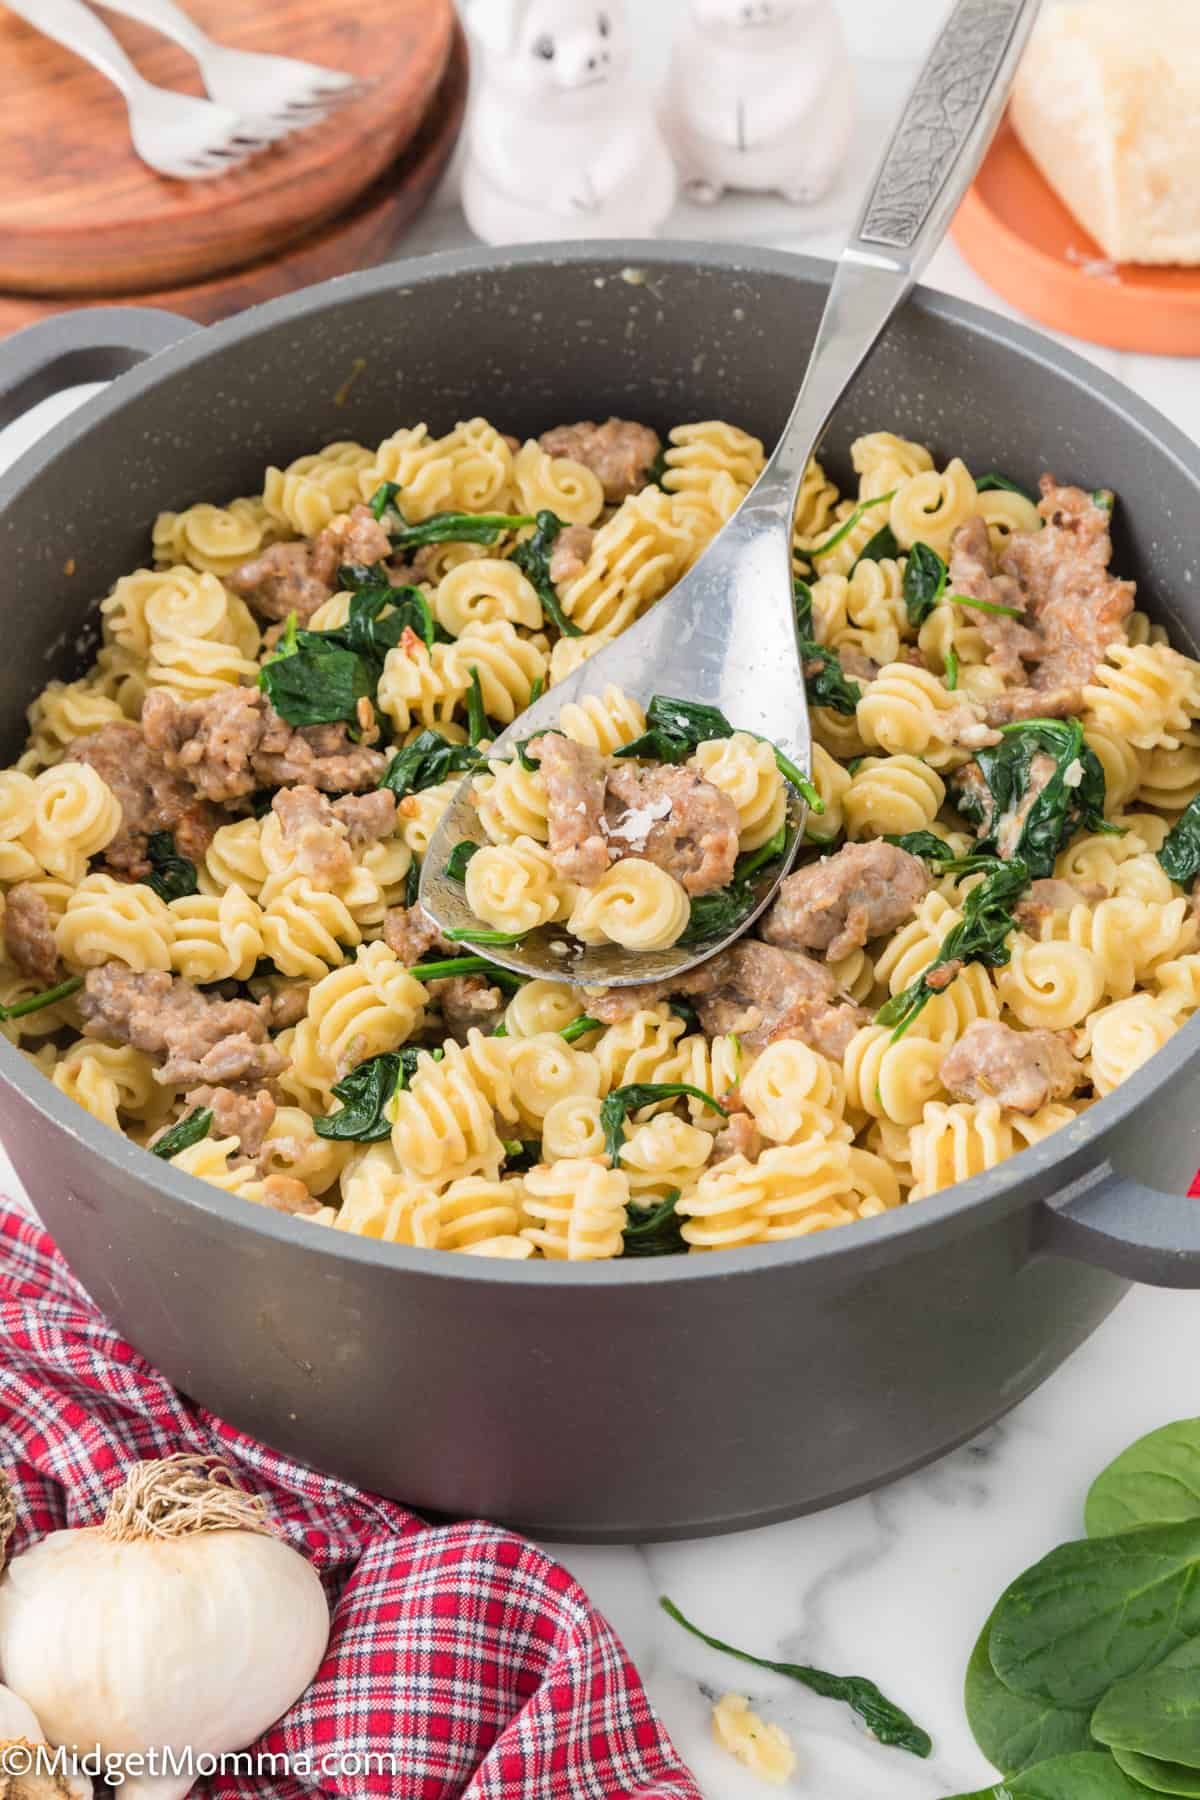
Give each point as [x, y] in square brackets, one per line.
[726, 634]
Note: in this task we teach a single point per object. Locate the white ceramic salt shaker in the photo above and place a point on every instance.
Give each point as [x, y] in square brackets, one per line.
[759, 97]
[561, 143]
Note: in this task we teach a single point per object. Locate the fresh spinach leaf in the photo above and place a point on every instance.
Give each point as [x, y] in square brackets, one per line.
[622, 1101]
[1012, 815]
[989, 483]
[1156, 1712]
[883, 547]
[656, 1231]
[883, 1719]
[187, 1131]
[925, 577]
[981, 935]
[532, 557]
[32, 1003]
[1155, 1482]
[426, 762]
[1160, 1777]
[1090, 1775]
[171, 876]
[1180, 853]
[1096, 1611]
[459, 857]
[1013, 1731]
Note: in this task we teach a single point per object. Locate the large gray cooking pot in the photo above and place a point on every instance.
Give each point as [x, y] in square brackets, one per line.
[652, 1399]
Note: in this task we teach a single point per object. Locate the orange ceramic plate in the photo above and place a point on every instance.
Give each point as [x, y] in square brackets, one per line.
[1015, 232]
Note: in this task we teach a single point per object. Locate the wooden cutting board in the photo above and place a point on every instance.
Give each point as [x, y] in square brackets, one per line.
[365, 234]
[81, 214]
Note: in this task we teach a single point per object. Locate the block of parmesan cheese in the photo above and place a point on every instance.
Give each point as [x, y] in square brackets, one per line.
[1107, 103]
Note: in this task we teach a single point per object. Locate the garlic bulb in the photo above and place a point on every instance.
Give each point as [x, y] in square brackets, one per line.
[19, 1725]
[180, 1621]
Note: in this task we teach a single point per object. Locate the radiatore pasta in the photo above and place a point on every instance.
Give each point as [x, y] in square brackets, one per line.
[209, 849]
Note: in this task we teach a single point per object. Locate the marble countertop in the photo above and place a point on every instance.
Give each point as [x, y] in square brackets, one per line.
[896, 1585]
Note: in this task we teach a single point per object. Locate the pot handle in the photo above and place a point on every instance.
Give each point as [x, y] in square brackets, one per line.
[89, 345]
[1139, 1233]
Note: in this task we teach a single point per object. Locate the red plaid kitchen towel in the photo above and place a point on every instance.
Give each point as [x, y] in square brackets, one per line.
[458, 1649]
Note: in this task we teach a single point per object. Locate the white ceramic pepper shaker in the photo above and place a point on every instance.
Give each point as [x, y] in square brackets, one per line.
[759, 97]
[560, 142]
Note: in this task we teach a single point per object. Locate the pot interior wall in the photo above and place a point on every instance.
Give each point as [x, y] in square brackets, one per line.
[529, 344]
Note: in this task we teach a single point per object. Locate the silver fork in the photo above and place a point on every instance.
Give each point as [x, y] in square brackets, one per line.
[274, 94]
[174, 133]
[726, 634]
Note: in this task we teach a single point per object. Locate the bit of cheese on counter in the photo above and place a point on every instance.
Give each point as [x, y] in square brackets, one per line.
[1107, 103]
[763, 1749]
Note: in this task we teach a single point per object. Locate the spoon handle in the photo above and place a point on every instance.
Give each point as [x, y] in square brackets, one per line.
[937, 145]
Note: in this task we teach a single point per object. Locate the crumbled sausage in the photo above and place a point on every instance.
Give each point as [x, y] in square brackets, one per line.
[316, 840]
[367, 817]
[412, 934]
[236, 1113]
[838, 904]
[29, 934]
[1072, 607]
[286, 1004]
[675, 818]
[1023, 1070]
[467, 1000]
[298, 578]
[288, 1194]
[152, 796]
[575, 776]
[203, 1041]
[855, 664]
[738, 1136]
[234, 742]
[569, 556]
[620, 452]
[755, 990]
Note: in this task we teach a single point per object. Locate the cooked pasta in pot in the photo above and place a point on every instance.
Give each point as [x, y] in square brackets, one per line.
[209, 849]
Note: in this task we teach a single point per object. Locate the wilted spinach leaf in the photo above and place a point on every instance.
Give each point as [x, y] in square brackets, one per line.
[440, 528]
[188, 1131]
[313, 682]
[989, 483]
[676, 728]
[622, 1101]
[924, 844]
[883, 546]
[981, 935]
[365, 1092]
[925, 578]
[1180, 853]
[459, 857]
[171, 876]
[532, 557]
[825, 682]
[1015, 817]
[656, 1232]
[426, 762]
[885, 1721]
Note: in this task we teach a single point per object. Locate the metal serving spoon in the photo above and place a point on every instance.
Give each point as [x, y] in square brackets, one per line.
[726, 634]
